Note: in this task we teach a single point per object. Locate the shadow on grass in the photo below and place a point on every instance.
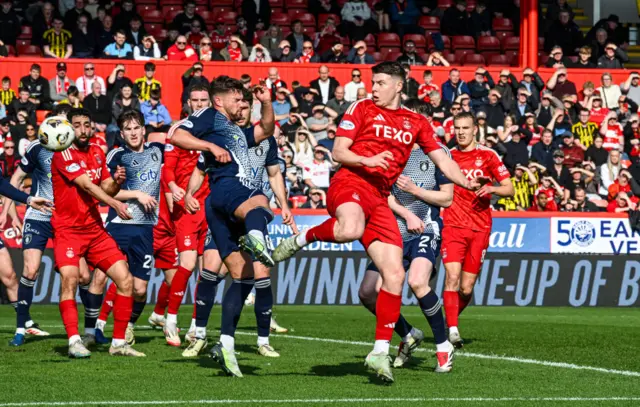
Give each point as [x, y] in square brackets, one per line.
[355, 368]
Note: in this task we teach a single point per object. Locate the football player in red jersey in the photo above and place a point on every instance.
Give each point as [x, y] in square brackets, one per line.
[467, 223]
[190, 229]
[81, 179]
[373, 143]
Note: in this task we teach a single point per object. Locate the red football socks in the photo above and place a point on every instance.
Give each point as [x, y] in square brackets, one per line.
[463, 301]
[451, 307]
[122, 308]
[69, 313]
[323, 232]
[177, 289]
[387, 313]
[163, 299]
[107, 304]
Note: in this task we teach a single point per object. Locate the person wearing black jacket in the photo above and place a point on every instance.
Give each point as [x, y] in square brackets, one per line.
[595, 153]
[556, 57]
[99, 105]
[507, 86]
[38, 88]
[104, 34]
[22, 102]
[517, 152]
[83, 39]
[127, 13]
[613, 58]
[565, 33]
[334, 55]
[9, 24]
[257, 14]
[533, 83]
[42, 21]
[584, 59]
[324, 82]
[71, 16]
[183, 20]
[439, 108]
[494, 109]
[410, 86]
[455, 20]
[479, 87]
[193, 76]
[410, 56]
[297, 38]
[522, 105]
[542, 151]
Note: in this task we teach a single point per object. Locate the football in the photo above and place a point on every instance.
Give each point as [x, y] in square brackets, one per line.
[56, 133]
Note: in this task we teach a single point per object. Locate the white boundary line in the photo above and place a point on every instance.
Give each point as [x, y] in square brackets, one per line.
[317, 401]
[461, 353]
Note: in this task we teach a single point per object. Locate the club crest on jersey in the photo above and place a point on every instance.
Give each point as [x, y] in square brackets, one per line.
[27, 238]
[347, 125]
[83, 164]
[259, 151]
[406, 124]
[424, 166]
[70, 252]
[478, 162]
[154, 157]
[188, 124]
[187, 241]
[98, 160]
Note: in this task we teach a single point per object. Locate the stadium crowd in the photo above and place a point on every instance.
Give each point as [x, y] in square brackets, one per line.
[569, 146]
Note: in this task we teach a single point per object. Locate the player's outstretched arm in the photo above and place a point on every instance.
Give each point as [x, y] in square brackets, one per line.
[183, 139]
[441, 198]
[277, 185]
[267, 124]
[147, 201]
[343, 155]
[98, 193]
[8, 206]
[449, 168]
[504, 190]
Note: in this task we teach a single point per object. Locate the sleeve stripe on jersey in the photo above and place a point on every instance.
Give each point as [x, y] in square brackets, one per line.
[174, 128]
[112, 153]
[67, 155]
[197, 113]
[353, 106]
[32, 145]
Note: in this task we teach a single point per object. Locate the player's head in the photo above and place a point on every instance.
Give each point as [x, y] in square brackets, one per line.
[198, 97]
[131, 124]
[466, 128]
[247, 102]
[226, 95]
[388, 79]
[419, 106]
[81, 122]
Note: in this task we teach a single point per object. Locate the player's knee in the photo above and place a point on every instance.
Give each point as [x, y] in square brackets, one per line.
[466, 290]
[417, 282]
[351, 230]
[393, 276]
[452, 282]
[139, 290]
[30, 270]
[125, 284]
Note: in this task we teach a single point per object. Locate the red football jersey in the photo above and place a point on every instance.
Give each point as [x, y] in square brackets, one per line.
[428, 88]
[448, 127]
[76, 209]
[597, 115]
[165, 224]
[374, 130]
[468, 210]
[611, 140]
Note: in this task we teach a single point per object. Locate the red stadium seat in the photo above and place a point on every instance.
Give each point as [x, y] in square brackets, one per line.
[499, 60]
[488, 44]
[504, 34]
[388, 40]
[30, 50]
[461, 53]
[310, 31]
[370, 40]
[322, 18]
[166, 8]
[418, 39]
[377, 56]
[12, 51]
[451, 58]
[207, 15]
[392, 56]
[150, 27]
[297, 4]
[431, 45]
[41, 115]
[511, 43]
[281, 19]
[219, 10]
[489, 54]
[515, 60]
[276, 4]
[153, 16]
[159, 34]
[473, 59]
[511, 54]
[445, 4]
[471, 5]
[23, 42]
[229, 17]
[25, 32]
[463, 42]
[502, 24]
[153, 2]
[429, 23]
[143, 8]
[213, 3]
[387, 50]
[307, 19]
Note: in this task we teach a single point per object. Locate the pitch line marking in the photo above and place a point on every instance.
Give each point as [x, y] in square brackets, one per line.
[515, 359]
[317, 401]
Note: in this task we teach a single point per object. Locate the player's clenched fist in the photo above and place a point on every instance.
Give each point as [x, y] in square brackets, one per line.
[381, 160]
[415, 225]
[120, 176]
[191, 204]
[222, 156]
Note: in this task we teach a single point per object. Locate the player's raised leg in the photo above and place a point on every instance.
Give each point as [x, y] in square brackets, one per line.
[256, 215]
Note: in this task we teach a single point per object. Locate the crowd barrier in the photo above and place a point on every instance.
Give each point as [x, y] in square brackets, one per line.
[169, 73]
[534, 259]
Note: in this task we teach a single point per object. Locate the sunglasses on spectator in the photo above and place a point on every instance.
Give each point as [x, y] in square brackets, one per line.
[195, 26]
[8, 147]
[30, 129]
[355, 75]
[205, 43]
[89, 68]
[181, 43]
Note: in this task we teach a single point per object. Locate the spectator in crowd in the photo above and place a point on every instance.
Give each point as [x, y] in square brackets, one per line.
[338, 103]
[404, 16]
[494, 110]
[631, 87]
[358, 54]
[22, 102]
[147, 50]
[135, 32]
[609, 91]
[303, 148]
[71, 16]
[236, 50]
[612, 133]
[455, 20]
[557, 58]
[621, 184]
[565, 33]
[531, 129]
[479, 87]
[547, 107]
[196, 35]
[522, 106]
[597, 45]
[584, 59]
[291, 126]
[559, 124]
[481, 20]
[335, 55]
[57, 41]
[143, 86]
[42, 22]
[507, 86]
[325, 85]
[555, 7]
[542, 152]
[119, 49]
[259, 54]
[284, 53]
[318, 122]
[584, 130]
[308, 54]
[181, 51]
[59, 85]
[542, 204]
[609, 172]
[357, 21]
[317, 173]
[192, 77]
[283, 104]
[317, 199]
[437, 59]
[127, 13]
[73, 98]
[351, 88]
[83, 39]
[622, 203]
[613, 58]
[410, 55]
[257, 14]
[573, 154]
[219, 36]
[99, 106]
[10, 26]
[558, 171]
[625, 109]
[439, 108]
[330, 140]
[184, 20]
[156, 115]
[272, 38]
[327, 38]
[581, 203]
[427, 86]
[611, 27]
[597, 111]
[317, 7]
[30, 136]
[362, 94]
[124, 100]
[274, 82]
[85, 82]
[560, 85]
[38, 88]
[116, 80]
[595, 153]
[454, 87]
[524, 181]
[9, 159]
[517, 152]
[297, 37]
[410, 85]
[104, 34]
[632, 137]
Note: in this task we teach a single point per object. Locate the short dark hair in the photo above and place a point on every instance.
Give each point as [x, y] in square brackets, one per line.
[225, 84]
[155, 94]
[199, 88]
[57, 17]
[419, 106]
[149, 66]
[583, 110]
[247, 95]
[576, 189]
[23, 89]
[120, 32]
[37, 67]
[390, 68]
[62, 109]
[73, 91]
[294, 22]
[130, 115]
[79, 113]
[135, 18]
[427, 72]
[6, 79]
[245, 78]
[466, 115]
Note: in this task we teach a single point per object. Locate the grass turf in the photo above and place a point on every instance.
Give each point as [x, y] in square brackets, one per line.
[606, 338]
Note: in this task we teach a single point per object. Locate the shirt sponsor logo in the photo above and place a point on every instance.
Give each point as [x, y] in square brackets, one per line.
[347, 125]
[471, 174]
[389, 132]
[73, 168]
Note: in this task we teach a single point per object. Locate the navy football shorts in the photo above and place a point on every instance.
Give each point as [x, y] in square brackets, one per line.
[426, 246]
[36, 234]
[136, 242]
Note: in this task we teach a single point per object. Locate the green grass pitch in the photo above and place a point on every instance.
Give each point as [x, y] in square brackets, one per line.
[513, 357]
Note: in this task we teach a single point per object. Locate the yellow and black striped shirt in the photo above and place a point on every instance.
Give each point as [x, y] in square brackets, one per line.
[7, 96]
[585, 133]
[57, 42]
[523, 191]
[143, 88]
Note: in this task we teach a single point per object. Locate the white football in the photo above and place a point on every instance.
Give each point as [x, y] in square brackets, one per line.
[55, 133]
